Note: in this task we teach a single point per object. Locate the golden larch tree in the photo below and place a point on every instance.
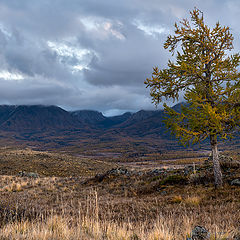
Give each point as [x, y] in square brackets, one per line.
[206, 74]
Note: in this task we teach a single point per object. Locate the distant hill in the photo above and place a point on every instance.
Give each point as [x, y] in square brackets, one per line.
[87, 131]
[88, 116]
[55, 127]
[114, 121]
[137, 117]
[5, 112]
[35, 118]
[24, 118]
[96, 119]
[145, 123]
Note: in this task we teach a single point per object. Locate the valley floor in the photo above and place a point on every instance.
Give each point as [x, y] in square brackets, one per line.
[78, 198]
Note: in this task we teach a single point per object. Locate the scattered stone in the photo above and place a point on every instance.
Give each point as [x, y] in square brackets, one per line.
[157, 171]
[118, 171]
[27, 174]
[139, 173]
[163, 193]
[112, 172]
[188, 169]
[235, 182]
[199, 233]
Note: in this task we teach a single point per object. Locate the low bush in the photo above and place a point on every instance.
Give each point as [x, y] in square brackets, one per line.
[174, 179]
[203, 178]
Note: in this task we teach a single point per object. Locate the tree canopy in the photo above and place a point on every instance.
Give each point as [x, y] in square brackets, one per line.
[206, 74]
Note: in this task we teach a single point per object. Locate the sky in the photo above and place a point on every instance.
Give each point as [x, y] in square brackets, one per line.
[92, 54]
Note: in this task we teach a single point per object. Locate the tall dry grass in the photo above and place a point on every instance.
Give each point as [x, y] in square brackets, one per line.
[60, 227]
[88, 224]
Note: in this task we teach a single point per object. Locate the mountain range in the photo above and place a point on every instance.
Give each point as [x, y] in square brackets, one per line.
[24, 118]
[54, 127]
[38, 124]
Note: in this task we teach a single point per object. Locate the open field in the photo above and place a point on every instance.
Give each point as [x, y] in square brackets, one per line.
[49, 164]
[76, 197]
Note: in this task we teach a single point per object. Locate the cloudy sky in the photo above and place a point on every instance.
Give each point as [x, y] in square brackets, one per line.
[92, 54]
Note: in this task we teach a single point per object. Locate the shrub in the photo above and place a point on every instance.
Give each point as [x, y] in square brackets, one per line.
[177, 199]
[201, 178]
[174, 179]
[192, 201]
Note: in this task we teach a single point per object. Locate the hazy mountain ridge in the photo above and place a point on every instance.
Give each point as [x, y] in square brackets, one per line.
[53, 127]
[38, 117]
[5, 112]
[98, 120]
[88, 116]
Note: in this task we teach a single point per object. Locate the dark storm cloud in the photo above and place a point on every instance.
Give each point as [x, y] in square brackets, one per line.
[122, 62]
[88, 54]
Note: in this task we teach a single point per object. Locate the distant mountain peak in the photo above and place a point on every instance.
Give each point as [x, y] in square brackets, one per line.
[27, 118]
[88, 116]
[36, 117]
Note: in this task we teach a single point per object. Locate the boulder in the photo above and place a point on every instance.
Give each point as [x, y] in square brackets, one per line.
[235, 182]
[157, 172]
[118, 171]
[27, 174]
[112, 172]
[188, 169]
[199, 233]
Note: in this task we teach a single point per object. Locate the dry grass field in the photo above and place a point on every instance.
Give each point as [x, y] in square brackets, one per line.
[49, 164]
[66, 201]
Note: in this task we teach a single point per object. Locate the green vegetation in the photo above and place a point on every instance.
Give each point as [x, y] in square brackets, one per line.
[174, 179]
[209, 80]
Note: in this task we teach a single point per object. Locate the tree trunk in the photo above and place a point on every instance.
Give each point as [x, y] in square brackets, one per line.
[216, 164]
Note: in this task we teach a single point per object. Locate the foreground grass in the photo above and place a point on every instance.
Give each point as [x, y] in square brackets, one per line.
[119, 207]
[87, 224]
[147, 218]
[61, 227]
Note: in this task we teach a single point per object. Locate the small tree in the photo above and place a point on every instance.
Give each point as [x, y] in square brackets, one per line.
[209, 80]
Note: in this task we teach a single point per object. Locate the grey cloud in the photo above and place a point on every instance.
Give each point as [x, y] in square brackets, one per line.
[33, 59]
[126, 62]
[120, 55]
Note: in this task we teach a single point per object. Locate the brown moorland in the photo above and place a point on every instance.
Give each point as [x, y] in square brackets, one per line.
[71, 201]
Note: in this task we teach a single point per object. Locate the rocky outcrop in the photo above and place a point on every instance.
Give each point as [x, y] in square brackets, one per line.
[235, 182]
[111, 173]
[28, 174]
[199, 233]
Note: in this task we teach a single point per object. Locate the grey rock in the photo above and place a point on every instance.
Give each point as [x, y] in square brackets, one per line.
[187, 170]
[157, 172]
[163, 193]
[139, 173]
[112, 172]
[235, 182]
[118, 171]
[200, 233]
[27, 174]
